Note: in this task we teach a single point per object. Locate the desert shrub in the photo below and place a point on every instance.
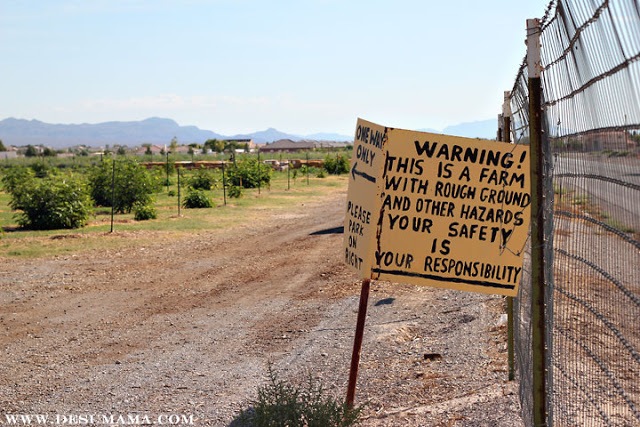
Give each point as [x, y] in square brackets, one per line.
[144, 212]
[203, 179]
[249, 173]
[51, 203]
[197, 199]
[282, 404]
[133, 185]
[336, 165]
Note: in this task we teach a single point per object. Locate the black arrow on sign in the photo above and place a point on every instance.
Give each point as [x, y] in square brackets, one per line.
[366, 176]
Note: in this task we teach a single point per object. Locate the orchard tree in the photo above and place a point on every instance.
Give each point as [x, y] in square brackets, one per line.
[31, 151]
[49, 152]
[50, 203]
[173, 145]
[132, 185]
[214, 145]
[231, 146]
[249, 173]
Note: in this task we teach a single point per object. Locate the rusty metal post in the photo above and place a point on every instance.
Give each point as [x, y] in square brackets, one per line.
[540, 405]
[357, 342]
[506, 137]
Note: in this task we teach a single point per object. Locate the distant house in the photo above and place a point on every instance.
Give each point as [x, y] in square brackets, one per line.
[601, 140]
[11, 154]
[182, 149]
[155, 150]
[607, 140]
[333, 145]
[288, 146]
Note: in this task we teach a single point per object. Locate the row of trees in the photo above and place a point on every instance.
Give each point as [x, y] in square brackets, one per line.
[50, 198]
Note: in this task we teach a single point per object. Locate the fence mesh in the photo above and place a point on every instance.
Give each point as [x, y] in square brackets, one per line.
[590, 54]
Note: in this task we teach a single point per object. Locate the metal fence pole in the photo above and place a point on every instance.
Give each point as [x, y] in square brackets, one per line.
[113, 191]
[288, 173]
[506, 137]
[538, 283]
[224, 185]
[178, 171]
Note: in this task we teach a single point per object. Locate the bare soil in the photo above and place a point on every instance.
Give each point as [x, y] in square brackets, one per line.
[188, 327]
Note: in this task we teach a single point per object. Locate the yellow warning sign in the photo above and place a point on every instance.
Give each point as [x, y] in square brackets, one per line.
[361, 218]
[437, 210]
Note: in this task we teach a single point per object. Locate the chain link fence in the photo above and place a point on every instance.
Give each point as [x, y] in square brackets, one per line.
[590, 81]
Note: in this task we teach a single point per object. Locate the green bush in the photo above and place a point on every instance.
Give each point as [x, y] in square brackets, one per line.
[203, 179]
[234, 191]
[336, 165]
[51, 203]
[249, 173]
[133, 184]
[197, 199]
[282, 404]
[144, 212]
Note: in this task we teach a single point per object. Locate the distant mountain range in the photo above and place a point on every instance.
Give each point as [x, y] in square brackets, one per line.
[485, 129]
[20, 132]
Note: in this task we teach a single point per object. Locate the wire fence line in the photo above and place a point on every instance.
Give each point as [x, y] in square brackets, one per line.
[590, 81]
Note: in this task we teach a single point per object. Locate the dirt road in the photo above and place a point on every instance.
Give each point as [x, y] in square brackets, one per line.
[185, 330]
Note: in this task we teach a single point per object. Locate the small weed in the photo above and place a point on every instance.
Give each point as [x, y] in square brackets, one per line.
[282, 404]
[559, 190]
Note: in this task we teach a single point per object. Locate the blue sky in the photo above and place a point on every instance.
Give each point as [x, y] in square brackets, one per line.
[241, 66]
